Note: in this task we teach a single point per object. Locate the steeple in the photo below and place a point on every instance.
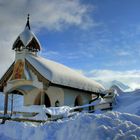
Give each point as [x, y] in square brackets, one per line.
[28, 21]
[27, 40]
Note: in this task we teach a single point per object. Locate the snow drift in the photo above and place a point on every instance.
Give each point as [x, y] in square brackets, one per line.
[107, 126]
[121, 123]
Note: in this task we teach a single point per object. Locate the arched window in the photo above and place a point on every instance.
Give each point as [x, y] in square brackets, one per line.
[57, 103]
[78, 101]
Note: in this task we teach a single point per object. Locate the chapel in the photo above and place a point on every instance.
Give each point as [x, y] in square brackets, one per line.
[44, 82]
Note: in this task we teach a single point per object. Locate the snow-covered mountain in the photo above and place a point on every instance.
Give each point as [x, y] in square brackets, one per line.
[109, 84]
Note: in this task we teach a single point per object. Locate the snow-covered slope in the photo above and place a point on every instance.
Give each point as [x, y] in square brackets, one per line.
[107, 126]
[128, 103]
[123, 122]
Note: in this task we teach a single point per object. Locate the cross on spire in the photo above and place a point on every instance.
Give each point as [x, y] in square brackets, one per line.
[28, 22]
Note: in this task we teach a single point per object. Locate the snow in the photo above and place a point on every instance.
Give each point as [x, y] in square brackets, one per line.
[107, 126]
[62, 75]
[58, 110]
[41, 108]
[129, 103]
[42, 111]
[33, 108]
[123, 122]
[26, 36]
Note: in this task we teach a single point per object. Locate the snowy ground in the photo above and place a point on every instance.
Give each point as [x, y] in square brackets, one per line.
[121, 123]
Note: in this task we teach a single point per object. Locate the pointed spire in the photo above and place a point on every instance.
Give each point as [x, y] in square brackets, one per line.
[28, 23]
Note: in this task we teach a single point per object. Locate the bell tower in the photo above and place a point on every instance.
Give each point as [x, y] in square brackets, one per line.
[25, 44]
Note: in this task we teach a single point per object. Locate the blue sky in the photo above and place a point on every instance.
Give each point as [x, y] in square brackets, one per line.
[98, 38]
[112, 43]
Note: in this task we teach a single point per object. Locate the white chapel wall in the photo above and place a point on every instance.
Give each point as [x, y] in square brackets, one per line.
[70, 96]
[55, 93]
[30, 97]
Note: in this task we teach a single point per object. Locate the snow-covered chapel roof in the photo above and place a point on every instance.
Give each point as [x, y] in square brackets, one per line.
[27, 39]
[62, 75]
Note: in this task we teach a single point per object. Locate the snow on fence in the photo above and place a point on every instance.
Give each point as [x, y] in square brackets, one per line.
[41, 114]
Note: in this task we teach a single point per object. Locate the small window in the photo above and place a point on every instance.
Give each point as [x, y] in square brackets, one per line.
[57, 103]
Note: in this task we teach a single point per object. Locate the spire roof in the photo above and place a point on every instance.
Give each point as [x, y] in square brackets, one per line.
[27, 39]
[28, 21]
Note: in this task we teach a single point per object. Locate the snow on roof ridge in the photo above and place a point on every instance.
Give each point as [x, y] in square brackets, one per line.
[27, 35]
[63, 75]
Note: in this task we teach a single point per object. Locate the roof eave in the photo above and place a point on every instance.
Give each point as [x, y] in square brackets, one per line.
[6, 76]
[73, 88]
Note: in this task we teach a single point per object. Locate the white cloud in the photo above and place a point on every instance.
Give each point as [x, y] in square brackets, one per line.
[50, 14]
[123, 53]
[131, 78]
[121, 63]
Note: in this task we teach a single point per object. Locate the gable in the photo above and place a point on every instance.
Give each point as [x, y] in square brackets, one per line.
[6, 77]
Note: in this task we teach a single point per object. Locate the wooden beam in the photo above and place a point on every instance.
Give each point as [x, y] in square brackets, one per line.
[12, 101]
[6, 103]
[5, 106]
